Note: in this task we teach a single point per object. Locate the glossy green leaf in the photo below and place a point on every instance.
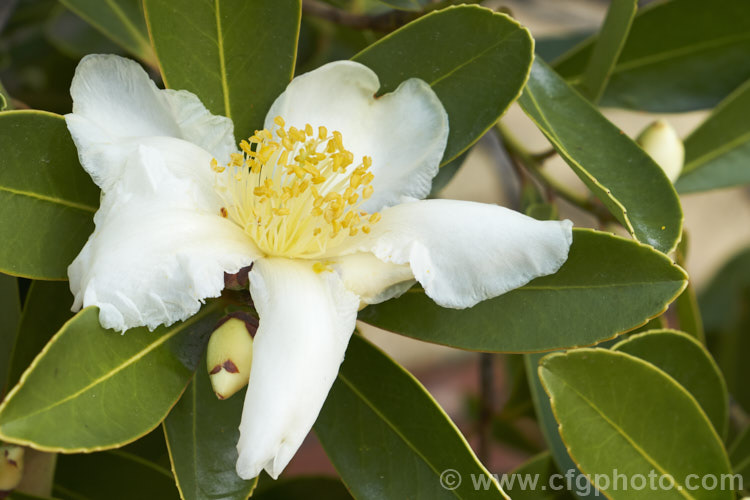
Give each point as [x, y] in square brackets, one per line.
[607, 48]
[684, 359]
[725, 307]
[388, 438]
[104, 388]
[551, 430]
[112, 475]
[10, 314]
[632, 186]
[581, 304]
[739, 455]
[74, 37]
[533, 480]
[120, 20]
[304, 488]
[17, 495]
[46, 309]
[680, 55]
[600, 399]
[717, 153]
[236, 56]
[47, 201]
[476, 61]
[202, 434]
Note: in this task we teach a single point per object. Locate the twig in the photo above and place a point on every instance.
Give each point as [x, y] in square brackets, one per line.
[533, 166]
[487, 405]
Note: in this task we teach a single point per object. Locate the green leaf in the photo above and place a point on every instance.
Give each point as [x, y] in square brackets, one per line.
[114, 475]
[10, 314]
[120, 20]
[717, 153]
[679, 56]
[581, 304]
[46, 309]
[74, 37]
[685, 359]
[17, 495]
[538, 469]
[304, 488]
[104, 388]
[607, 48]
[632, 186]
[476, 61]
[202, 434]
[236, 56]
[600, 398]
[551, 431]
[388, 438]
[725, 306]
[739, 455]
[47, 201]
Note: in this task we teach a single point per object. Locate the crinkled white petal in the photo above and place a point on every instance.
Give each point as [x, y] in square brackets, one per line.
[373, 280]
[115, 104]
[404, 132]
[306, 320]
[465, 252]
[160, 246]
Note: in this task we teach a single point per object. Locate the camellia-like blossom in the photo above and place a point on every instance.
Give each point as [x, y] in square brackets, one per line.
[324, 203]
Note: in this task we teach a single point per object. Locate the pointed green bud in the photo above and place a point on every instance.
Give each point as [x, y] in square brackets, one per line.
[230, 354]
[663, 144]
[11, 467]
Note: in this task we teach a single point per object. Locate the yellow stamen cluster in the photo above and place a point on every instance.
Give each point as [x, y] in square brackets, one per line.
[296, 192]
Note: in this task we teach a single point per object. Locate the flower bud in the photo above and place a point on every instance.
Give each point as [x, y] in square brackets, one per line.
[663, 144]
[11, 467]
[230, 354]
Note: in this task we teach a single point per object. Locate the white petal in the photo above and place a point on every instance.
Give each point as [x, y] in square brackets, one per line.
[306, 320]
[115, 103]
[160, 246]
[373, 280]
[404, 132]
[464, 252]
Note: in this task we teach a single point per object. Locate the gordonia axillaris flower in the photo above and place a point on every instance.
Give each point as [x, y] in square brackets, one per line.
[324, 203]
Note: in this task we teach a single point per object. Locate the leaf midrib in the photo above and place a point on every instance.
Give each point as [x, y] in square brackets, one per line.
[714, 153]
[50, 199]
[627, 438]
[122, 366]
[391, 425]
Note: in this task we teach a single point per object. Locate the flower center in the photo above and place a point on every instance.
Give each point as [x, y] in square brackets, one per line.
[296, 193]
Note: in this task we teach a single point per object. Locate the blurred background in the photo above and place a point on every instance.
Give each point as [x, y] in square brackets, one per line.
[41, 42]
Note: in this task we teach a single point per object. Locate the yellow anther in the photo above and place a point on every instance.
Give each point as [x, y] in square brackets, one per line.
[293, 192]
[321, 267]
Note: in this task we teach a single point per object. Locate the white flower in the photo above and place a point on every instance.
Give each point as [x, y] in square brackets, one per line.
[327, 214]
